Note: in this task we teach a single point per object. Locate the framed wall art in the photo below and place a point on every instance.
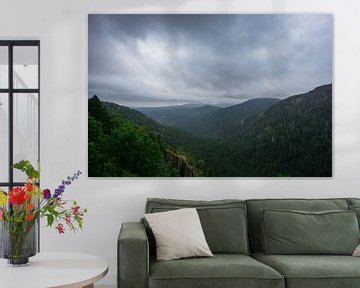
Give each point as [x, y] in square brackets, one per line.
[210, 95]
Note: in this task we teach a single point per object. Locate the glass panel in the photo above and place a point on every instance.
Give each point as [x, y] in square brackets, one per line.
[26, 130]
[4, 67]
[26, 67]
[4, 137]
[5, 189]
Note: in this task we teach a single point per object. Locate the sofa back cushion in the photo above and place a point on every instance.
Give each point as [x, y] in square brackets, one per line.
[353, 201]
[223, 221]
[354, 205]
[298, 232]
[255, 206]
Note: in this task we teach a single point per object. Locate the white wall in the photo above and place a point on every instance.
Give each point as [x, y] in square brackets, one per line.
[62, 28]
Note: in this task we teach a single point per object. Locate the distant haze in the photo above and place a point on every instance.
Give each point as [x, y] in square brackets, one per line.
[163, 60]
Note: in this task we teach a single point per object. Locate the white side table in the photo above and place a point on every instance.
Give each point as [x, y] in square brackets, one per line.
[50, 270]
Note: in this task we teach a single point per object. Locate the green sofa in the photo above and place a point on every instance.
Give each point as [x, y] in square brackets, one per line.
[233, 230]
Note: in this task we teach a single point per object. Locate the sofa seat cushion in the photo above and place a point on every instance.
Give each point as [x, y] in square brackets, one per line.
[313, 271]
[222, 270]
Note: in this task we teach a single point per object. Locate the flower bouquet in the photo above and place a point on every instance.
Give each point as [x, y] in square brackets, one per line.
[21, 208]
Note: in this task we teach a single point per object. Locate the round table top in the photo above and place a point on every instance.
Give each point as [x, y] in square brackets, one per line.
[59, 269]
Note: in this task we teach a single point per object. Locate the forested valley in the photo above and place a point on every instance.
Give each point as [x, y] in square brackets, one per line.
[264, 137]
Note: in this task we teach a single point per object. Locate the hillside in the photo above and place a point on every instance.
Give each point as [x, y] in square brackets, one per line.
[177, 115]
[292, 138]
[209, 121]
[118, 147]
[232, 120]
[171, 136]
[186, 117]
[125, 142]
[132, 115]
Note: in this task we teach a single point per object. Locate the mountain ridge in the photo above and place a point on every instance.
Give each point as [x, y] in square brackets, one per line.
[209, 121]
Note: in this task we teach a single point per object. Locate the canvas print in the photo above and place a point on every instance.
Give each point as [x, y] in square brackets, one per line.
[219, 95]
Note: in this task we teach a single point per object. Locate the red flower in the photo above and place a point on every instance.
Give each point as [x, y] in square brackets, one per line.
[27, 196]
[68, 219]
[60, 228]
[29, 217]
[29, 206]
[29, 186]
[17, 196]
[75, 209]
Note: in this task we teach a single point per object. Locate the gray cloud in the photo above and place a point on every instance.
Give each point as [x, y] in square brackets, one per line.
[141, 60]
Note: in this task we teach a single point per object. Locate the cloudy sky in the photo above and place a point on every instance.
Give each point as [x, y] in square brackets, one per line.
[158, 60]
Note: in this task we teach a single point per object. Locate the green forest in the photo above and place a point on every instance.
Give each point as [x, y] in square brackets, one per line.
[258, 138]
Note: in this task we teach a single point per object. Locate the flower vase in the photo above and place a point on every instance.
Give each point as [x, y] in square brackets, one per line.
[18, 242]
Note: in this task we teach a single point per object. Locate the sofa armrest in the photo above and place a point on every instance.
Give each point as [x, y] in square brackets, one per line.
[133, 256]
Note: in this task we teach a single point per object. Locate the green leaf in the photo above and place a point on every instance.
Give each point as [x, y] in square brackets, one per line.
[52, 211]
[50, 219]
[26, 167]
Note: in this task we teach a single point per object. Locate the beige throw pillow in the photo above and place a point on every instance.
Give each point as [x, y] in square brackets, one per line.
[178, 234]
[357, 251]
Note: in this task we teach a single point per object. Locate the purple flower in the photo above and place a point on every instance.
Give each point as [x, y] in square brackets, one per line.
[58, 192]
[64, 183]
[46, 194]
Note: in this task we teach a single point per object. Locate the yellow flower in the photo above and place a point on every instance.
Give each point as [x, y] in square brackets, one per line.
[3, 198]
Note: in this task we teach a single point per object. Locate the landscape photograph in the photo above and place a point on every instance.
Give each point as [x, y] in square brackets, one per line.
[210, 95]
